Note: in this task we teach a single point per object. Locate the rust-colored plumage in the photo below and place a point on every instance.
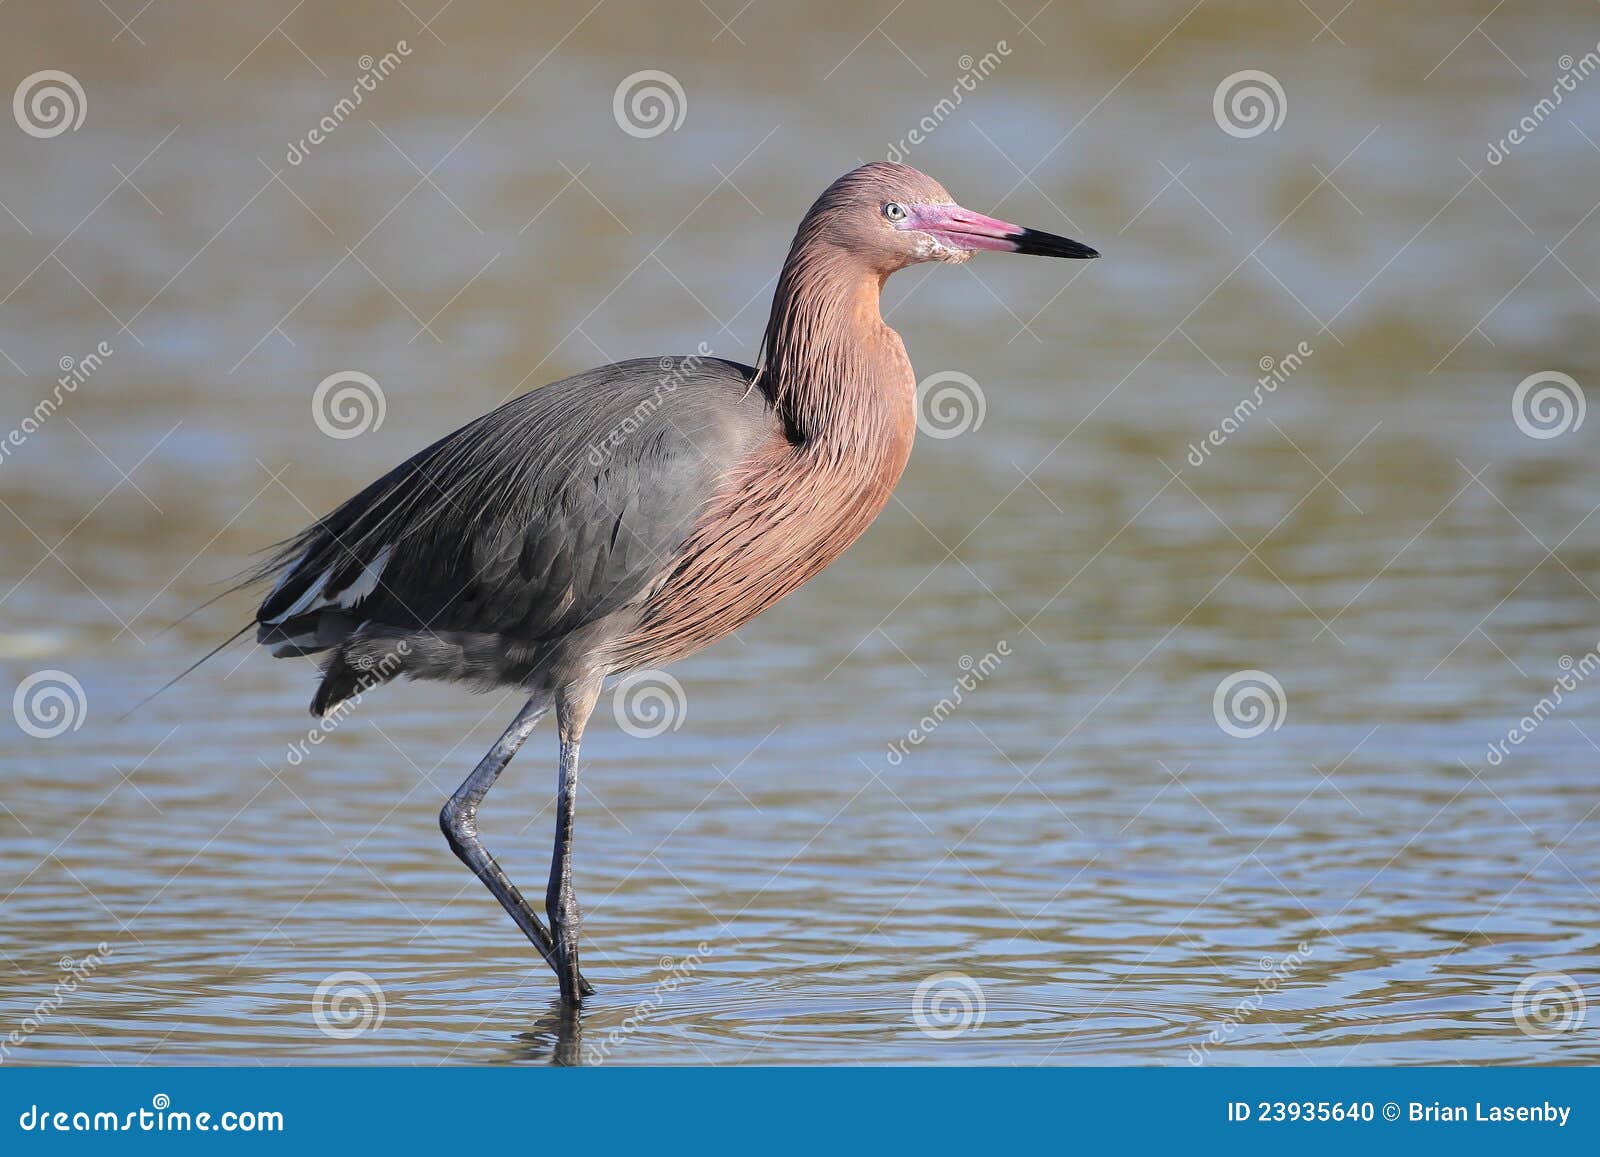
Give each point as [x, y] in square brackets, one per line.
[845, 398]
[632, 515]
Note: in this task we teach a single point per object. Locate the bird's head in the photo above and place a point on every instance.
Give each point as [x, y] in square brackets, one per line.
[890, 216]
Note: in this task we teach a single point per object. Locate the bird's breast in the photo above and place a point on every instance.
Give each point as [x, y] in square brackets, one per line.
[781, 516]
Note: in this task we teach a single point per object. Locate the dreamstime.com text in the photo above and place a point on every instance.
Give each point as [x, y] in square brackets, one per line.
[160, 1117]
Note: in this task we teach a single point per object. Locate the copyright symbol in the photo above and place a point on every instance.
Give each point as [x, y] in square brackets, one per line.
[1391, 1111]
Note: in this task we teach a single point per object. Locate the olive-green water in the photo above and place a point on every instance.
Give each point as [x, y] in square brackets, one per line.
[1164, 717]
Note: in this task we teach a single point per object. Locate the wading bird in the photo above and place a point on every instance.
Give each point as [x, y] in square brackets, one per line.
[631, 515]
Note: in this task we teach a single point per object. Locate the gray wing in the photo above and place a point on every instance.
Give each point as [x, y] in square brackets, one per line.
[550, 512]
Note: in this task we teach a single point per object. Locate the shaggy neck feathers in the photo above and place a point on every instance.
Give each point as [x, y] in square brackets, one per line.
[834, 370]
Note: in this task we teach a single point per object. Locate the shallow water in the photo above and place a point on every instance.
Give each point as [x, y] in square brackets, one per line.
[792, 870]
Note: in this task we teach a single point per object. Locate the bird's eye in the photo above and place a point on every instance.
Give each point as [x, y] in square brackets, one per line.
[895, 211]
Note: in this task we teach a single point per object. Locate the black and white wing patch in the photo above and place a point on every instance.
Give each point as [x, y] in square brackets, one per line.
[291, 616]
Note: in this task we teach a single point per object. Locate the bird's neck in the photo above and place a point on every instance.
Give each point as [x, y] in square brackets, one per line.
[837, 374]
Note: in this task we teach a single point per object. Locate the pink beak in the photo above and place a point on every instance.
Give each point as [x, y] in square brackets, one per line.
[963, 229]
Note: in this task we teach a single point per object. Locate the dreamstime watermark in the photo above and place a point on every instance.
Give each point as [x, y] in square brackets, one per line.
[1548, 1004]
[49, 703]
[49, 103]
[73, 974]
[1575, 671]
[648, 103]
[1276, 972]
[972, 73]
[1274, 372]
[1249, 703]
[347, 1004]
[949, 403]
[675, 972]
[948, 1004]
[1548, 404]
[1572, 71]
[649, 703]
[160, 1117]
[74, 373]
[674, 372]
[974, 672]
[1248, 103]
[347, 404]
[375, 669]
[372, 71]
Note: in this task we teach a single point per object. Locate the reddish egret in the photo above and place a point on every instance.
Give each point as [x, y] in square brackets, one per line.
[604, 524]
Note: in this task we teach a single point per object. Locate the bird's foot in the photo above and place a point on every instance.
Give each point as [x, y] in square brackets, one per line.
[573, 985]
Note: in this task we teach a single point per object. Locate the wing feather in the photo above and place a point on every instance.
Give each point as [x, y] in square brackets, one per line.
[549, 512]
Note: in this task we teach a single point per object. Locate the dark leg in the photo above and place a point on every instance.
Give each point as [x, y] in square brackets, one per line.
[459, 821]
[573, 706]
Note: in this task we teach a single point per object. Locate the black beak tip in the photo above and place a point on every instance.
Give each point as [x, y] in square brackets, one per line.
[1039, 244]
